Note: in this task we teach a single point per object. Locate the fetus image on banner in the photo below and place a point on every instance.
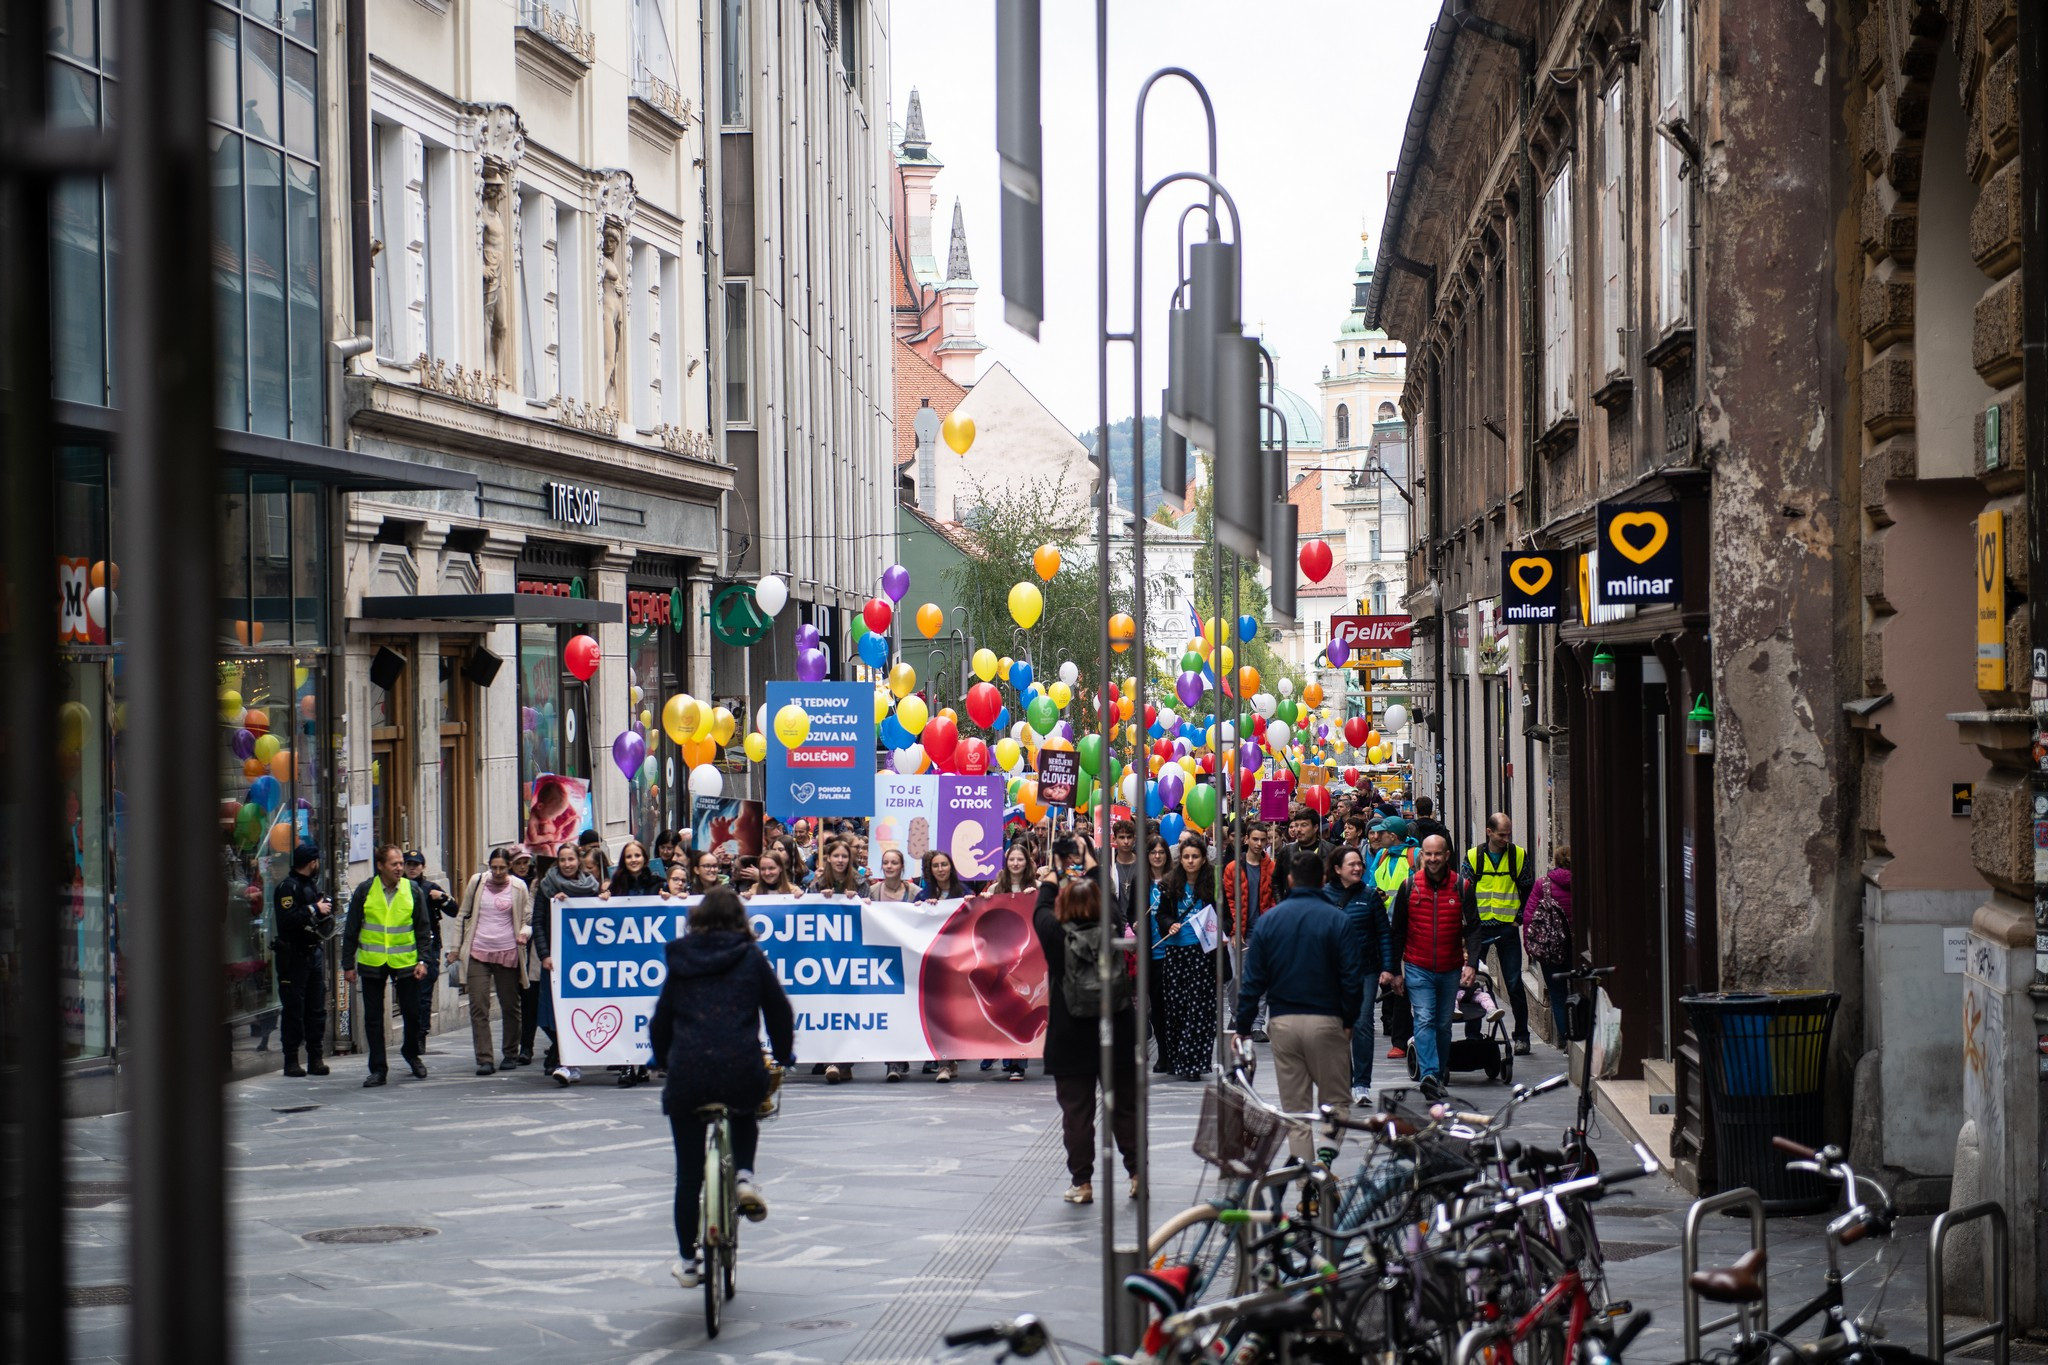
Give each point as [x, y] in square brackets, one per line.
[971, 859]
[983, 978]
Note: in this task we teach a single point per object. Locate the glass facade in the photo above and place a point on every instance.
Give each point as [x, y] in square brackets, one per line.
[555, 800]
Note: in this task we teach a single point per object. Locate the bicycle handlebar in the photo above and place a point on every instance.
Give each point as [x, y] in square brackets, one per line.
[1025, 1335]
[1785, 1144]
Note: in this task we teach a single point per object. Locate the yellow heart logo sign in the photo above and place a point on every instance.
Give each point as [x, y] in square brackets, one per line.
[1531, 575]
[1659, 529]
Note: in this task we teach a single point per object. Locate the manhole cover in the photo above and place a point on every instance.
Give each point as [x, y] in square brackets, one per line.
[387, 1232]
[100, 1295]
[90, 1194]
[820, 1325]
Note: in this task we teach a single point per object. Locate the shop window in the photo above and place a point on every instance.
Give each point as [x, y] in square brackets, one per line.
[732, 63]
[1613, 248]
[1558, 335]
[1670, 209]
[554, 740]
[739, 355]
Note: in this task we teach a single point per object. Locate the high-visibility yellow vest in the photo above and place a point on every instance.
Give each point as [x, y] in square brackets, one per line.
[1390, 868]
[387, 928]
[1495, 882]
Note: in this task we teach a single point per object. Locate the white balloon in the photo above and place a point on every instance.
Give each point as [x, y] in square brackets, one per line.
[1130, 788]
[1019, 730]
[771, 593]
[1263, 703]
[99, 605]
[1229, 732]
[706, 780]
[1396, 718]
[1277, 735]
[909, 760]
[761, 719]
[1070, 673]
[1287, 687]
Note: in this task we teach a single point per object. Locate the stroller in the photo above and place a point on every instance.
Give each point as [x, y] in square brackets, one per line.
[1479, 1037]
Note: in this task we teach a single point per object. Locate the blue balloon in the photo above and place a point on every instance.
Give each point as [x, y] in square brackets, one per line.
[1153, 805]
[1157, 731]
[894, 735]
[1247, 626]
[1020, 674]
[1002, 721]
[264, 792]
[1171, 827]
[874, 649]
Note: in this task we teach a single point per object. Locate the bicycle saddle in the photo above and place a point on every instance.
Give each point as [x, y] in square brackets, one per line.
[1488, 1258]
[1737, 1283]
[1536, 1158]
[710, 1112]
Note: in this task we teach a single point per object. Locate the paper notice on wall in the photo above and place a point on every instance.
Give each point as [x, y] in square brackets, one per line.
[360, 840]
[1955, 949]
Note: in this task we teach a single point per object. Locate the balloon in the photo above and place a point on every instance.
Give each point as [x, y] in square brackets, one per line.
[930, 620]
[100, 604]
[1316, 560]
[1316, 799]
[792, 725]
[1188, 687]
[972, 756]
[895, 582]
[1277, 735]
[877, 614]
[807, 636]
[1122, 630]
[1171, 785]
[811, 665]
[958, 429]
[874, 650]
[984, 704]
[1009, 754]
[1248, 756]
[1247, 626]
[581, 656]
[1397, 718]
[1090, 753]
[1286, 710]
[1027, 604]
[230, 704]
[1027, 797]
[1042, 714]
[770, 595]
[1199, 805]
[1264, 705]
[757, 746]
[984, 664]
[265, 749]
[1171, 827]
[1070, 673]
[1061, 694]
[241, 741]
[902, 679]
[1357, 731]
[1312, 694]
[941, 737]
[1247, 681]
[1372, 739]
[1020, 675]
[1336, 652]
[908, 760]
[1223, 659]
[1046, 560]
[265, 791]
[256, 721]
[893, 735]
[678, 716]
[629, 751]
[912, 713]
[1286, 687]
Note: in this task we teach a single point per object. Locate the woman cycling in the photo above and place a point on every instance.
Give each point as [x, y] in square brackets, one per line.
[1187, 979]
[942, 883]
[706, 1029]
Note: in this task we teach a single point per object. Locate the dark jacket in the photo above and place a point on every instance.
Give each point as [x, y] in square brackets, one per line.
[424, 939]
[1283, 862]
[641, 883]
[1365, 911]
[1303, 959]
[1398, 923]
[300, 928]
[925, 889]
[553, 884]
[1073, 1046]
[707, 1024]
[1422, 826]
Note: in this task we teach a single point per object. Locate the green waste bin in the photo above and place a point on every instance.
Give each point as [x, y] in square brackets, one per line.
[1766, 1059]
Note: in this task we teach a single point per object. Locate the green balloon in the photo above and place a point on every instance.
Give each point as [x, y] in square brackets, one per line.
[1199, 805]
[1084, 792]
[858, 629]
[1286, 709]
[1042, 714]
[1090, 750]
[1191, 662]
[1116, 770]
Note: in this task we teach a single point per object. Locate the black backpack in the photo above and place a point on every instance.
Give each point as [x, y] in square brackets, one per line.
[1081, 980]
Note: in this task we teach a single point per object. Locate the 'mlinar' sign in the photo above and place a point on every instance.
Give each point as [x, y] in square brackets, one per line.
[1639, 559]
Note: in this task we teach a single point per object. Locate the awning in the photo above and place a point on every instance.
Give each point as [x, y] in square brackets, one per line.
[345, 469]
[520, 608]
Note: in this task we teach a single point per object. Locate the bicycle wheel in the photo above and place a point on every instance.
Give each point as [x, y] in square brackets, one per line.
[1545, 1343]
[713, 1228]
[729, 1249]
[1194, 1238]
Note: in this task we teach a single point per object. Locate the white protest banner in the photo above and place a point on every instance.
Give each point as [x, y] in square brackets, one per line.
[868, 981]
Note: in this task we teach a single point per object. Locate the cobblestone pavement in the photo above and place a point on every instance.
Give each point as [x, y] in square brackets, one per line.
[898, 1210]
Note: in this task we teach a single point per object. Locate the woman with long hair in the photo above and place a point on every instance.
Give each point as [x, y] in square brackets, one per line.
[1347, 887]
[942, 883]
[634, 877]
[896, 889]
[1158, 862]
[772, 876]
[490, 943]
[566, 880]
[704, 872]
[1187, 979]
[1019, 874]
[836, 875]
[718, 995]
[1068, 918]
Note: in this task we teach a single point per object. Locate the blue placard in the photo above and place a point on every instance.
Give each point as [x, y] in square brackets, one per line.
[833, 771]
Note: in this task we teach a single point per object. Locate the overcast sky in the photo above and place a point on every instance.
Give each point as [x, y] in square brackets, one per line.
[1311, 100]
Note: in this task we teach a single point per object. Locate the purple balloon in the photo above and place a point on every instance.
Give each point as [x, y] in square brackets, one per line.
[810, 665]
[1248, 756]
[629, 751]
[244, 743]
[895, 582]
[1188, 687]
[1065, 730]
[807, 636]
[1171, 785]
[529, 719]
[1336, 652]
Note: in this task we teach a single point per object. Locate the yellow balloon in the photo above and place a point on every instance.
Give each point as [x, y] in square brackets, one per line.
[1008, 754]
[883, 703]
[723, 724]
[902, 679]
[757, 746]
[675, 716]
[1061, 694]
[958, 429]
[1225, 660]
[912, 713]
[633, 694]
[701, 722]
[230, 705]
[646, 720]
[266, 748]
[792, 725]
[1027, 604]
[984, 663]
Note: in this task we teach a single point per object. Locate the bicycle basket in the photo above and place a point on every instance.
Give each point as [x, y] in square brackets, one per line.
[1438, 1154]
[1235, 1136]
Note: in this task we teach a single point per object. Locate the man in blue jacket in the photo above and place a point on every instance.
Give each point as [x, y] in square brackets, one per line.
[1307, 964]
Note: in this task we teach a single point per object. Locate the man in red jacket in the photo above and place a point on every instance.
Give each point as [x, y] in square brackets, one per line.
[1253, 886]
[1435, 939]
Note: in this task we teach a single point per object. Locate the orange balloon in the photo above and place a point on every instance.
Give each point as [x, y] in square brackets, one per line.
[256, 721]
[950, 714]
[281, 765]
[1247, 681]
[1027, 797]
[1056, 743]
[252, 767]
[105, 575]
[1046, 559]
[1122, 630]
[1123, 708]
[281, 837]
[1312, 693]
[698, 752]
[930, 620]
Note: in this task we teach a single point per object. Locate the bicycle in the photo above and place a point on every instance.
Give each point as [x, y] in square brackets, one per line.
[1848, 1340]
[718, 1232]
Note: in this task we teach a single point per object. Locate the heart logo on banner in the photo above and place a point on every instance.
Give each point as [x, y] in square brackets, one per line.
[802, 792]
[597, 1029]
[1659, 529]
[1531, 575]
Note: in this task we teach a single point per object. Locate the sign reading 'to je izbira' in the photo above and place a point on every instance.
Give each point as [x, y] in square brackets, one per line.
[1638, 560]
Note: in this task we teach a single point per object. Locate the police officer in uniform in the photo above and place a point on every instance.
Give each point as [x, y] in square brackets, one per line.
[305, 917]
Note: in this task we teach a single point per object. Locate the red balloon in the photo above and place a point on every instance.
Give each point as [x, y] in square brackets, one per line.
[1316, 560]
[1353, 777]
[1355, 731]
[1317, 799]
[1208, 763]
[940, 737]
[1163, 748]
[1258, 727]
[1115, 694]
[984, 704]
[972, 757]
[878, 614]
[581, 655]
[1151, 715]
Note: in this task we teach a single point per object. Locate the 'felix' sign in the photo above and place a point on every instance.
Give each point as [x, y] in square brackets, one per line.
[1365, 634]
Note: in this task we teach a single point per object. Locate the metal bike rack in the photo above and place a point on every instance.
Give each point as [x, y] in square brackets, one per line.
[1479, 1338]
[1749, 1317]
[2000, 1328]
